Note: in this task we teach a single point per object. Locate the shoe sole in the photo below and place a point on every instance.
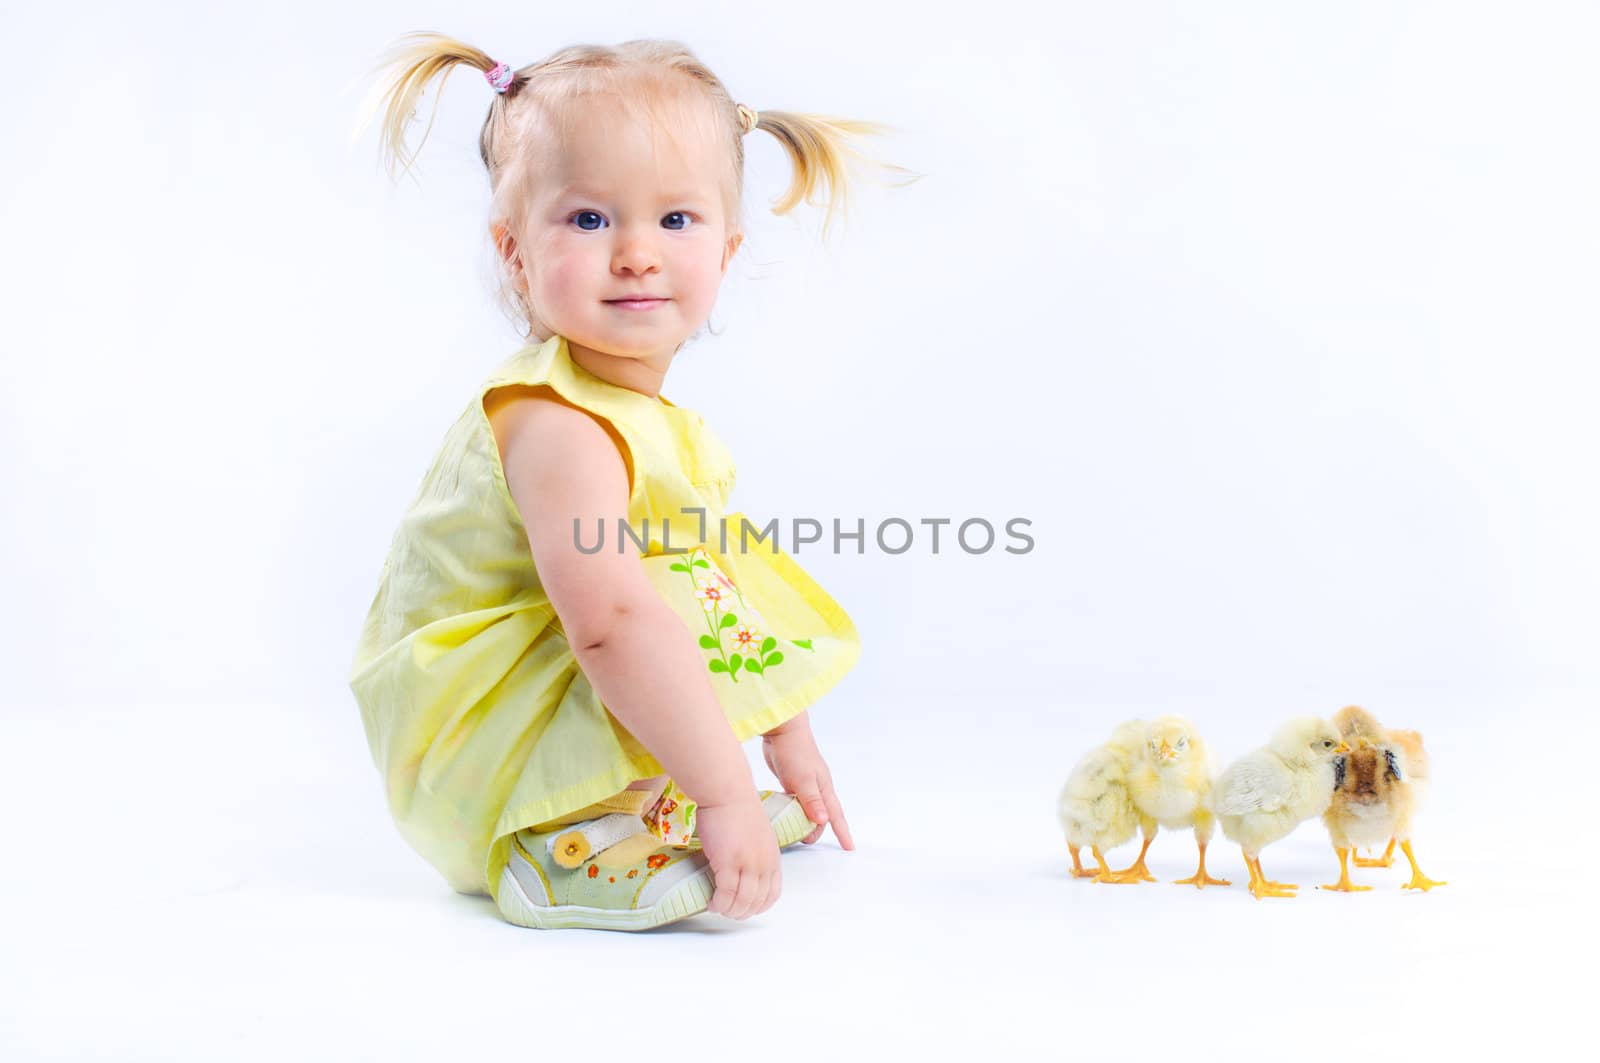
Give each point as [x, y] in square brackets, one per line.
[688, 898]
[791, 825]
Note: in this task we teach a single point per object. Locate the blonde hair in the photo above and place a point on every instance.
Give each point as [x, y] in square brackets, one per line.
[818, 146]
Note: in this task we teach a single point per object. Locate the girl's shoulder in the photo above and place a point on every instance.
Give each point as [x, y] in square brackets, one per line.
[576, 437]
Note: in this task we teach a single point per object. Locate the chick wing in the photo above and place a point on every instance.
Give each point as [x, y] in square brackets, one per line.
[1256, 782]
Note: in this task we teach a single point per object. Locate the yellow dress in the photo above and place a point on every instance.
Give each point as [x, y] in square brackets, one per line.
[478, 718]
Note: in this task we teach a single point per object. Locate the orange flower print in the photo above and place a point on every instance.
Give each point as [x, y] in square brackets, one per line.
[747, 639]
[670, 807]
[711, 596]
[594, 871]
[632, 872]
[656, 860]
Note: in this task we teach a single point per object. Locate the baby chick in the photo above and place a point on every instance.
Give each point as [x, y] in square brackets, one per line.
[1264, 795]
[1095, 807]
[1383, 783]
[1171, 787]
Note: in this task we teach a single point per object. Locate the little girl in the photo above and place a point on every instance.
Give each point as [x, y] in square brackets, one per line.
[555, 701]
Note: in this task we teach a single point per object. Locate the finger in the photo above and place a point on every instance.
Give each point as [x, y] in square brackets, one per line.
[810, 839]
[758, 896]
[727, 889]
[776, 889]
[816, 808]
[841, 829]
[748, 885]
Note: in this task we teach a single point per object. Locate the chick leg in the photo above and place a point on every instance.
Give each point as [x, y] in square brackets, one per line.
[1419, 881]
[1384, 861]
[1265, 881]
[1105, 873]
[1344, 885]
[1261, 886]
[1136, 872]
[1079, 871]
[1200, 880]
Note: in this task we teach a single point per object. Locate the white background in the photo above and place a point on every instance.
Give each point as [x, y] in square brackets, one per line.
[1277, 324]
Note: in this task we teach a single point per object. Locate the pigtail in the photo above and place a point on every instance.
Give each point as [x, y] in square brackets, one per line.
[820, 150]
[412, 62]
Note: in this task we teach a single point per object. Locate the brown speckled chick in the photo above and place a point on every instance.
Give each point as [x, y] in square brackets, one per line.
[1378, 787]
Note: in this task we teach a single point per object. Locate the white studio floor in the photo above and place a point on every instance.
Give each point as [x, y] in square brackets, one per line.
[180, 892]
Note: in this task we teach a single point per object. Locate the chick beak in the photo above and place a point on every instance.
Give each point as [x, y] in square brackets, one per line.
[1166, 752]
[1342, 747]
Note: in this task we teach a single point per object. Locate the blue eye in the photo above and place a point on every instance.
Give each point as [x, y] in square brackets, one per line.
[582, 215]
[676, 214]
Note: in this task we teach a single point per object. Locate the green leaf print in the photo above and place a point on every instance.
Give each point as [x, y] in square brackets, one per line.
[711, 593]
[804, 644]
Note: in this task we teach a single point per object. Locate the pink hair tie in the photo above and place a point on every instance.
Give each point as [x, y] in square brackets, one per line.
[500, 77]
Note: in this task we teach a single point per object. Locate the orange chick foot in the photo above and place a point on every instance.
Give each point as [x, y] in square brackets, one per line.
[1344, 885]
[1200, 880]
[1419, 881]
[1261, 888]
[1136, 871]
[1383, 861]
[1422, 882]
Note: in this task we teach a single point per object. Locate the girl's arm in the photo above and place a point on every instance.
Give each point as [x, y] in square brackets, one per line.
[643, 661]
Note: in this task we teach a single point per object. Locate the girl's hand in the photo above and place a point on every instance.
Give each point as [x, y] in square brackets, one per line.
[791, 752]
[743, 854]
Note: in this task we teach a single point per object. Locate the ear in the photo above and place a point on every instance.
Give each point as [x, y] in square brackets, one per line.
[1393, 764]
[506, 244]
[731, 247]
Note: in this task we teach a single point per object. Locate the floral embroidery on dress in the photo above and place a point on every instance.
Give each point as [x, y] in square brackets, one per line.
[747, 644]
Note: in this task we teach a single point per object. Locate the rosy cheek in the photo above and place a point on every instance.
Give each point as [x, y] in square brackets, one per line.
[564, 273]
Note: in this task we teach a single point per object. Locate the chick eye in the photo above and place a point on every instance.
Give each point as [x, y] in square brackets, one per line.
[1326, 744]
[1182, 742]
[583, 217]
[667, 222]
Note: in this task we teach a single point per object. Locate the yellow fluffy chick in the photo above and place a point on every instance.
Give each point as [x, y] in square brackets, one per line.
[1171, 787]
[1095, 808]
[1265, 794]
[1383, 784]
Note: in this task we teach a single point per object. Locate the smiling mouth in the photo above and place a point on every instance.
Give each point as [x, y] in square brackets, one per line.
[638, 303]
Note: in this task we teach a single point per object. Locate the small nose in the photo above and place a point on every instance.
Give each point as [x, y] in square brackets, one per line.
[635, 252]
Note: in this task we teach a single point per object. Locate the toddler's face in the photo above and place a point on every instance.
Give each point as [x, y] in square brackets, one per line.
[624, 213]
